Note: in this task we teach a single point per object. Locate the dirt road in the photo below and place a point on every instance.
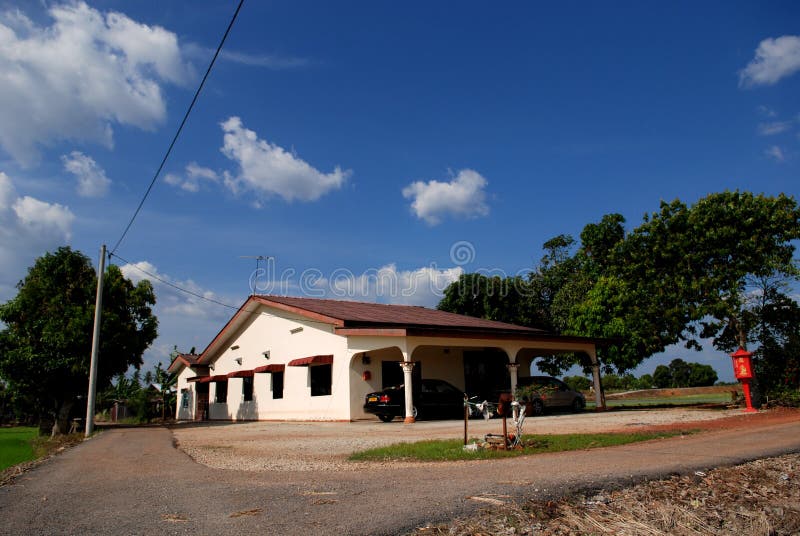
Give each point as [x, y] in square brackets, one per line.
[133, 481]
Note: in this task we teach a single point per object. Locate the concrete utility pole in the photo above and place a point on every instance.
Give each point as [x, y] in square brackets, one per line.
[98, 313]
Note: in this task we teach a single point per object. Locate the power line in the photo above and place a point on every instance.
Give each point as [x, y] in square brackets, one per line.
[176, 287]
[196, 295]
[180, 128]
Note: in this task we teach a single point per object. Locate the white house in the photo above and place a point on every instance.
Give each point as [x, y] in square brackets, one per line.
[284, 358]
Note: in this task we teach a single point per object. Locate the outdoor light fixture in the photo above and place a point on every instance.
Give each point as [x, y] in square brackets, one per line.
[235, 347]
[211, 366]
[295, 330]
[238, 360]
[265, 354]
[365, 360]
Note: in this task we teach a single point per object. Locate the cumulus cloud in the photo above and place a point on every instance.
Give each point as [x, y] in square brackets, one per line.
[774, 127]
[92, 180]
[423, 286]
[463, 197]
[775, 153]
[171, 301]
[75, 79]
[194, 175]
[29, 228]
[183, 319]
[269, 170]
[775, 59]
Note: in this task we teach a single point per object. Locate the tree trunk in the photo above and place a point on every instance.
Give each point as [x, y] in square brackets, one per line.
[61, 424]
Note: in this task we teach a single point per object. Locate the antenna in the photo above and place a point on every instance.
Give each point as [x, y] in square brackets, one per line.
[258, 259]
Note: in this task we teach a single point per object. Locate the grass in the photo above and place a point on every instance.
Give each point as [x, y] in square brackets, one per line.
[683, 400]
[16, 445]
[452, 449]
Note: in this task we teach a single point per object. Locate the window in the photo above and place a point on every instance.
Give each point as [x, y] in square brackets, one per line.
[321, 377]
[247, 389]
[185, 398]
[277, 384]
[222, 393]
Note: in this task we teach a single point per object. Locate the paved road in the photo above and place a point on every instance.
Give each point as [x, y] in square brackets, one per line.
[133, 481]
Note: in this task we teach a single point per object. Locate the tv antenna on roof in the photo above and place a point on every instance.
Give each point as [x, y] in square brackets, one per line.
[254, 276]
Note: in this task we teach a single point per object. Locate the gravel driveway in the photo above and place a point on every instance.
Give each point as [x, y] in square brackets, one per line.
[312, 446]
[133, 481]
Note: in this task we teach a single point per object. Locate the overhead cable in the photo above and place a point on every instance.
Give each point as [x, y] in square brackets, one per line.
[180, 128]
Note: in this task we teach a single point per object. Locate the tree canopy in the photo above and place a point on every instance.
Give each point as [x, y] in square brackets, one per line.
[719, 269]
[46, 344]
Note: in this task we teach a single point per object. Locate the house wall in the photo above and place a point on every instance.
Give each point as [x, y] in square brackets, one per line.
[181, 413]
[272, 331]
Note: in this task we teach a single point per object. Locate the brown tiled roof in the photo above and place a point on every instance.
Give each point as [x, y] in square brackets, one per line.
[361, 314]
[187, 360]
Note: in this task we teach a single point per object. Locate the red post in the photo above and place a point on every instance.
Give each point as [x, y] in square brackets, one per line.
[743, 370]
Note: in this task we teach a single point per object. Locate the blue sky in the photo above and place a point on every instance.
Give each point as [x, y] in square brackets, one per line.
[376, 150]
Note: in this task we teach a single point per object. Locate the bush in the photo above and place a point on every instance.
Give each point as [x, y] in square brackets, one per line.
[578, 383]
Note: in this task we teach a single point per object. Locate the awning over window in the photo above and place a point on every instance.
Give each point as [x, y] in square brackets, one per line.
[313, 360]
[198, 379]
[241, 374]
[217, 378]
[270, 368]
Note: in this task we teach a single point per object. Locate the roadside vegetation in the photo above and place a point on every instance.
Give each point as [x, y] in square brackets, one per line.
[21, 447]
[16, 445]
[758, 498]
[442, 450]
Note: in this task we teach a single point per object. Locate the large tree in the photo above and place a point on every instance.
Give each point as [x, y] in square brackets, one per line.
[46, 344]
[684, 274]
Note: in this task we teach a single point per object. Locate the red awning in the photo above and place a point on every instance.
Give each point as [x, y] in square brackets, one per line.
[270, 368]
[313, 360]
[198, 379]
[217, 378]
[241, 374]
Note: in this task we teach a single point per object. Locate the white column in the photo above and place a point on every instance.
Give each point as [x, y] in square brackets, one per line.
[408, 366]
[512, 372]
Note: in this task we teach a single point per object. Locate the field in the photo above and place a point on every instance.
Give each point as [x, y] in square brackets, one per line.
[15, 445]
[692, 396]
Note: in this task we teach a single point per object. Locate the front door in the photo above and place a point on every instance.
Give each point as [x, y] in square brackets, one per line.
[201, 409]
[486, 374]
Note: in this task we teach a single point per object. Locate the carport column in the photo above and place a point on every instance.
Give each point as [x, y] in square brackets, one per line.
[512, 372]
[408, 366]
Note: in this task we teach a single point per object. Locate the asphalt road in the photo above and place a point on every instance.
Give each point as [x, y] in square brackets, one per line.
[133, 481]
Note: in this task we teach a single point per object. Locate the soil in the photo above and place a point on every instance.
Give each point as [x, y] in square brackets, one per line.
[759, 498]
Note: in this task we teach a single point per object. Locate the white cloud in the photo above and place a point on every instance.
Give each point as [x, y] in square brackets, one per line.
[171, 301]
[766, 111]
[422, 286]
[267, 61]
[28, 229]
[775, 153]
[775, 127]
[81, 75]
[775, 59]
[463, 197]
[92, 180]
[183, 320]
[269, 170]
[195, 174]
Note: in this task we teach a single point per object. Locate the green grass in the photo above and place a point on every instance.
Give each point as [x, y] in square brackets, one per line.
[15, 445]
[451, 449]
[684, 400]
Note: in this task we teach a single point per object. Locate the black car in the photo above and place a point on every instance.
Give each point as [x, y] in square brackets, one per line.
[433, 398]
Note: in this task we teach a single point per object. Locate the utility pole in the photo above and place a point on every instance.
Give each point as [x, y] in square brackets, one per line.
[98, 314]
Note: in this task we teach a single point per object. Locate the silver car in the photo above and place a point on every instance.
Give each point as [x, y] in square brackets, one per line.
[544, 392]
